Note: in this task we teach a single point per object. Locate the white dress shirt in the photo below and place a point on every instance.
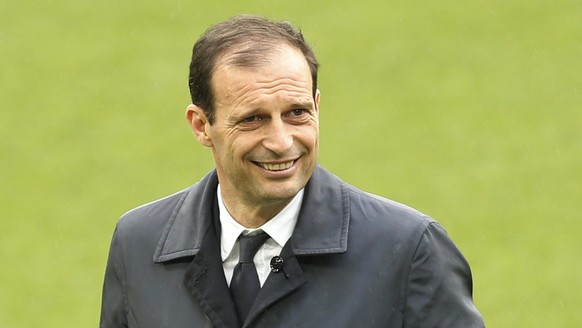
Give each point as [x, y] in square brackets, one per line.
[279, 229]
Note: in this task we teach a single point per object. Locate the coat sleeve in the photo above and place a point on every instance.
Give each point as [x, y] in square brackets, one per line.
[439, 286]
[114, 300]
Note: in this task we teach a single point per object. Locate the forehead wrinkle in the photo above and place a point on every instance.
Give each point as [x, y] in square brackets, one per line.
[276, 85]
[294, 97]
[250, 92]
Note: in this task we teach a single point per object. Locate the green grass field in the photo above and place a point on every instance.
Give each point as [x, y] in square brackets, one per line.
[470, 111]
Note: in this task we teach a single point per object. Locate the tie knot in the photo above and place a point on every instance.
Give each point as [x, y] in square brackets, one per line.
[249, 245]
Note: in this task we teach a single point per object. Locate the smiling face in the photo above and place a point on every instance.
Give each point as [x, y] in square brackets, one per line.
[266, 131]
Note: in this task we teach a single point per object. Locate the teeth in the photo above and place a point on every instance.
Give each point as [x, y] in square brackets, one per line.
[276, 167]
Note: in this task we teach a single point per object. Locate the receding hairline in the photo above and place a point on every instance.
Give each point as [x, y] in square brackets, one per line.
[243, 55]
[230, 58]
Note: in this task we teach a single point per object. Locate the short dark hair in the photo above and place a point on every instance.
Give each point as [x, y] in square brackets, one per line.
[253, 38]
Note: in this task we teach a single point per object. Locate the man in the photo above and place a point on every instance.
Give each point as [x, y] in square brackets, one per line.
[324, 254]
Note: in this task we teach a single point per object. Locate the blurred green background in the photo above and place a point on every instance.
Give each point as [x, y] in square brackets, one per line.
[469, 111]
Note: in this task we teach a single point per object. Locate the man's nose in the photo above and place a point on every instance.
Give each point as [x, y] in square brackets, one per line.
[278, 139]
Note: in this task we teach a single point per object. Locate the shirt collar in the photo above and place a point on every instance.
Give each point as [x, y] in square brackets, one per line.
[280, 227]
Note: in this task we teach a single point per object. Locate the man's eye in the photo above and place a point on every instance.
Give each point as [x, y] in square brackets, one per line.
[298, 112]
[251, 119]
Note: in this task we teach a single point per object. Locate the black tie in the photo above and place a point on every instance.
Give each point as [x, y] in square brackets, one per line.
[245, 284]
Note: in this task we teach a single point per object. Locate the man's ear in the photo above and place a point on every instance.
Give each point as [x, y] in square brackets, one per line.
[316, 99]
[199, 124]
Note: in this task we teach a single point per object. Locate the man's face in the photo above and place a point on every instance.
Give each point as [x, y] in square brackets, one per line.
[266, 132]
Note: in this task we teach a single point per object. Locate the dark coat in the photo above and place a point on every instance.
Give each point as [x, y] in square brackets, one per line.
[354, 260]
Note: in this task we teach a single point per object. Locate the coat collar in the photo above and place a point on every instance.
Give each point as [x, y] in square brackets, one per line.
[322, 226]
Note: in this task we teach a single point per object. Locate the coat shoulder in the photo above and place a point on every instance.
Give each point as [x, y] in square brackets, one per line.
[382, 211]
[153, 213]
[368, 214]
[162, 210]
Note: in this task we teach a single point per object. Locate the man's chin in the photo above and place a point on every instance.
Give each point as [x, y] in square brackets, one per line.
[281, 192]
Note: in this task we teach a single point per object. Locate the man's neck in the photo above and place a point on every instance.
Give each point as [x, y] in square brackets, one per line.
[254, 215]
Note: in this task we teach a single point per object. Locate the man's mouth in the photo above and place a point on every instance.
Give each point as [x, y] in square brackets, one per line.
[275, 166]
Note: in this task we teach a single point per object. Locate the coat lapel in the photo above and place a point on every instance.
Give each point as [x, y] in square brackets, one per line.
[205, 280]
[324, 219]
[192, 231]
